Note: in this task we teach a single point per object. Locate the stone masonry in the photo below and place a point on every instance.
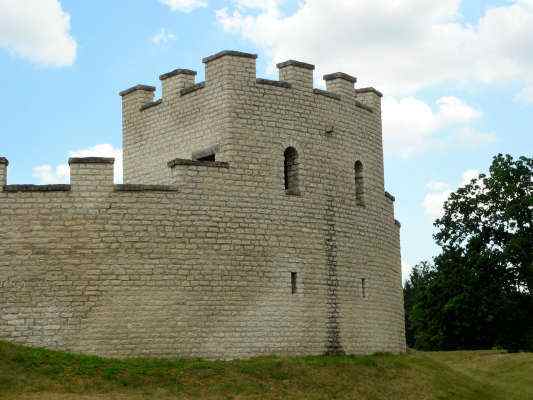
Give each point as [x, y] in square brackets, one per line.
[252, 220]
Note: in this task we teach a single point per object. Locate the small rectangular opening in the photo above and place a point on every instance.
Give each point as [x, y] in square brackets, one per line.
[207, 158]
[294, 287]
[363, 287]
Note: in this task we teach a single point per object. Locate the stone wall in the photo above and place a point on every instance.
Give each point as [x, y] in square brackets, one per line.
[196, 258]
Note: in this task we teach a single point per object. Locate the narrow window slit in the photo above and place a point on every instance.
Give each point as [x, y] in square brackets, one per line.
[294, 287]
[290, 170]
[363, 287]
[359, 184]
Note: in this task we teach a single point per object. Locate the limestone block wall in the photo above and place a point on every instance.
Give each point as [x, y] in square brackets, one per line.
[214, 258]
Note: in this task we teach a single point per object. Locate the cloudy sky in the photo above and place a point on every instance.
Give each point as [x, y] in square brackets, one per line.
[457, 77]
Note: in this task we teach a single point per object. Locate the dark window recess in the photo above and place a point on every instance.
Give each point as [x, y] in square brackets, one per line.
[290, 170]
[363, 287]
[359, 184]
[207, 158]
[294, 286]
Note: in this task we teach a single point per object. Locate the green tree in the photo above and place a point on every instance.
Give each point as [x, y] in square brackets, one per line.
[478, 291]
[416, 303]
[492, 215]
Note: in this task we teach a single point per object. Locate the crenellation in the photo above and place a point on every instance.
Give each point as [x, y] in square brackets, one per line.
[175, 81]
[297, 73]
[230, 69]
[369, 96]
[4, 163]
[132, 101]
[91, 174]
[255, 238]
[340, 83]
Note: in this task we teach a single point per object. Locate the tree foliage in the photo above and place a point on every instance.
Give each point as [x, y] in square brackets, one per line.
[492, 215]
[478, 293]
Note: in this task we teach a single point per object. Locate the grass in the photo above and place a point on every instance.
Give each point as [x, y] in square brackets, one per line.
[29, 373]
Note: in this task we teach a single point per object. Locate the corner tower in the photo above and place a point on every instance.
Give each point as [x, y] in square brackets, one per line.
[296, 175]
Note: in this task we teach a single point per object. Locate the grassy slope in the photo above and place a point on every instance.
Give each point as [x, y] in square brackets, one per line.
[27, 373]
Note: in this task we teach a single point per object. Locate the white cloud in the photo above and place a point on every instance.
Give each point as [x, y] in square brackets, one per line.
[184, 5]
[468, 175]
[470, 137]
[436, 186]
[454, 110]
[411, 126]
[526, 94]
[438, 193]
[37, 30]
[434, 201]
[399, 46]
[265, 5]
[406, 270]
[47, 174]
[163, 37]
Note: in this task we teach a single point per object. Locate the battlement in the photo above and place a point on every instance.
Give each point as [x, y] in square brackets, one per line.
[95, 175]
[86, 174]
[234, 69]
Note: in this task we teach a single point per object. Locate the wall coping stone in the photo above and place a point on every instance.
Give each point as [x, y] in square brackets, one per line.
[145, 188]
[4, 161]
[340, 75]
[37, 188]
[90, 160]
[146, 88]
[196, 163]
[327, 94]
[233, 53]
[175, 72]
[369, 90]
[151, 104]
[283, 84]
[390, 196]
[192, 88]
[295, 63]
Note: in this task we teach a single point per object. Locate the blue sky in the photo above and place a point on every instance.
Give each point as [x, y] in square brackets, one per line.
[457, 77]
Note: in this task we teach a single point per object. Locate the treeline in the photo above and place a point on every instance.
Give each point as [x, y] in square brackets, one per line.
[478, 293]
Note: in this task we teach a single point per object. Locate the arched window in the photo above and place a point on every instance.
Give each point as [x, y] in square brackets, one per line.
[359, 184]
[291, 171]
